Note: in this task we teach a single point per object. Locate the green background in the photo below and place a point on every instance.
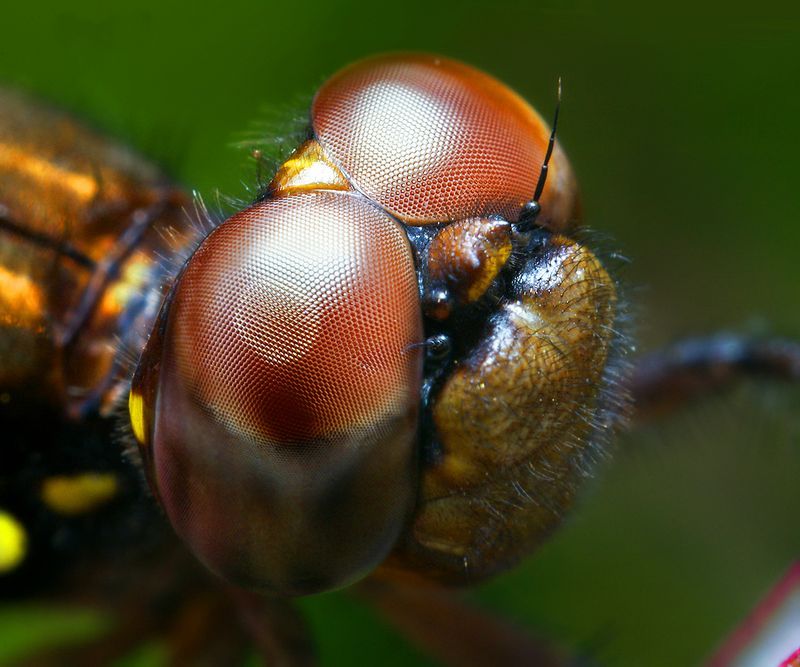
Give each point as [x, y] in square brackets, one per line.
[682, 124]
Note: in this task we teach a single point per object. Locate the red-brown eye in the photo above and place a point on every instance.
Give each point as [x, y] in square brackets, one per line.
[282, 443]
[431, 140]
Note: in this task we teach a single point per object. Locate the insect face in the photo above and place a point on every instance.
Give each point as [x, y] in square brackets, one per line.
[282, 405]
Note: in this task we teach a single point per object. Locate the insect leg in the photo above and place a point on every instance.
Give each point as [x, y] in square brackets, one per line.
[665, 380]
[277, 630]
[446, 627]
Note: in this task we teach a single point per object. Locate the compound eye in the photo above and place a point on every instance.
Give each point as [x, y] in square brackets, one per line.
[431, 140]
[282, 438]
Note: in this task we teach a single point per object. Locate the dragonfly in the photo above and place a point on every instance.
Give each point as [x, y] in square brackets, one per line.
[393, 370]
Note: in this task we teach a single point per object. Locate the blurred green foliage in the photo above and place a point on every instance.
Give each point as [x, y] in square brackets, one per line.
[682, 123]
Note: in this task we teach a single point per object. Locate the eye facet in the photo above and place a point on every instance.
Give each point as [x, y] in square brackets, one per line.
[433, 140]
[283, 437]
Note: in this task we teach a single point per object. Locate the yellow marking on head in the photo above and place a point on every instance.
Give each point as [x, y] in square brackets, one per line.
[13, 542]
[308, 169]
[496, 257]
[136, 411]
[77, 494]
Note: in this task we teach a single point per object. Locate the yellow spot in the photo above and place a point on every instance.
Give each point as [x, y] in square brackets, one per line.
[47, 173]
[308, 169]
[21, 300]
[136, 411]
[134, 276]
[13, 542]
[454, 468]
[76, 494]
[496, 257]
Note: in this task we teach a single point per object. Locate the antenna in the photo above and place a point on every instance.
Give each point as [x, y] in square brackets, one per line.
[531, 210]
[543, 174]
